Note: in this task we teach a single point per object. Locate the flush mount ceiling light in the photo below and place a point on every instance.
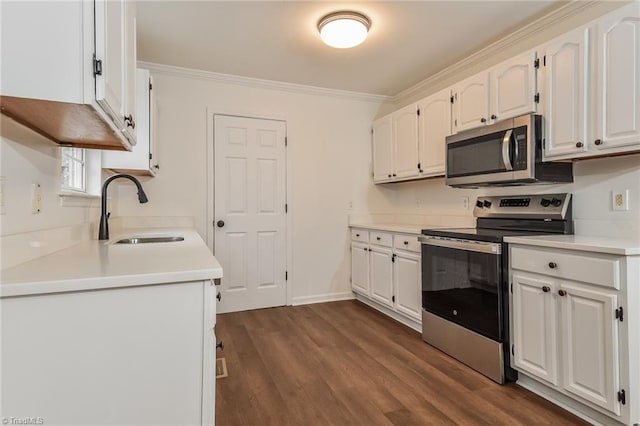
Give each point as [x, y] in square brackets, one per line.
[344, 29]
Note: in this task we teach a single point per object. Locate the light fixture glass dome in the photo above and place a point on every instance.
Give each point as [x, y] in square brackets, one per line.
[344, 29]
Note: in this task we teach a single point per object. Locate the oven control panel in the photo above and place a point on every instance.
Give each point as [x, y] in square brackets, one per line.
[539, 206]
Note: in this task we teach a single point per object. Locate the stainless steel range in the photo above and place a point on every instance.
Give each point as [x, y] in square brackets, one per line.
[465, 276]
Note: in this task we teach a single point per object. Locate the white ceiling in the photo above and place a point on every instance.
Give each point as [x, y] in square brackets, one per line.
[278, 40]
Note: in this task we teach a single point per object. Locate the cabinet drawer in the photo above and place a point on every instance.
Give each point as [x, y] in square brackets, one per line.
[406, 242]
[590, 268]
[381, 238]
[360, 235]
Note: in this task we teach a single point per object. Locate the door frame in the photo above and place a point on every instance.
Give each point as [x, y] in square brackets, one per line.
[210, 194]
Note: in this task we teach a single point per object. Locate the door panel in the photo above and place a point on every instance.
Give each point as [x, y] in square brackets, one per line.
[407, 285]
[590, 346]
[618, 82]
[381, 276]
[535, 328]
[250, 188]
[567, 93]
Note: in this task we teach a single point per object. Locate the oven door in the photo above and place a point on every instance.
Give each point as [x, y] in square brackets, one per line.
[462, 283]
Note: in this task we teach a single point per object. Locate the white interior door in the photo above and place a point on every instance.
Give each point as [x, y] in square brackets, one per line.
[250, 221]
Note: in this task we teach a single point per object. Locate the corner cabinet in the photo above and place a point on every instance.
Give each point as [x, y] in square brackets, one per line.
[386, 273]
[129, 355]
[143, 158]
[86, 97]
[571, 330]
[592, 88]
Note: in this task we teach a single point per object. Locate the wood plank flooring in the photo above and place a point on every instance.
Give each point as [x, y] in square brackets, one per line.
[343, 363]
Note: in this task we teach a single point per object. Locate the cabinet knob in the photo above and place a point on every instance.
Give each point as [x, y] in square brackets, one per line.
[553, 265]
[579, 144]
[598, 142]
[366, 249]
[562, 292]
[546, 289]
[394, 175]
[357, 235]
[406, 243]
[220, 345]
[493, 116]
[388, 175]
[378, 238]
[420, 170]
[483, 120]
[219, 296]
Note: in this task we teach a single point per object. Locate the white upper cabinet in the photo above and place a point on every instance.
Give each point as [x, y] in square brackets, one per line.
[382, 140]
[143, 158]
[405, 137]
[115, 49]
[618, 85]
[471, 101]
[505, 91]
[513, 87]
[434, 125]
[74, 100]
[566, 93]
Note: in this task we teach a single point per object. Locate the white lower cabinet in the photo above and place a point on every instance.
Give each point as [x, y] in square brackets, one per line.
[142, 355]
[387, 271]
[568, 327]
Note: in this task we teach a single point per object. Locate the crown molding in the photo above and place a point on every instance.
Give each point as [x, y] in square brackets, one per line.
[259, 83]
[534, 27]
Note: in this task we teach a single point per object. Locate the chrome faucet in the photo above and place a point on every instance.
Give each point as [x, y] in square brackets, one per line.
[103, 234]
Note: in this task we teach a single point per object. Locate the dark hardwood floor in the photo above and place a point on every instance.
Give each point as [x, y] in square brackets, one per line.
[343, 363]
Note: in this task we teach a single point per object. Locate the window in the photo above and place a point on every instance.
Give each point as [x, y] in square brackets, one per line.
[74, 174]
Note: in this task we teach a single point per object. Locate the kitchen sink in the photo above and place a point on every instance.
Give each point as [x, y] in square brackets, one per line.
[146, 240]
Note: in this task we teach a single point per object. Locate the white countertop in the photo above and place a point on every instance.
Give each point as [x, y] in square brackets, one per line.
[625, 247]
[94, 264]
[397, 227]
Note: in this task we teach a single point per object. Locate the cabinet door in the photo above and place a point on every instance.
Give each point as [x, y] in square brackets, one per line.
[381, 275]
[567, 94]
[405, 140]
[360, 268]
[513, 87]
[590, 345]
[382, 149]
[154, 160]
[130, 71]
[434, 127]
[535, 327]
[110, 18]
[472, 102]
[618, 101]
[407, 283]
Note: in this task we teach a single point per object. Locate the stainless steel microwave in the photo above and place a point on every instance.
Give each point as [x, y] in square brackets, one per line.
[503, 154]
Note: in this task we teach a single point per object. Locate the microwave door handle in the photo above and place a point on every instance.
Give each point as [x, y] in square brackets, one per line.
[506, 158]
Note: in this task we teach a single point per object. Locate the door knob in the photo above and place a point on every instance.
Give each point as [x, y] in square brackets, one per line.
[220, 223]
[219, 296]
[220, 345]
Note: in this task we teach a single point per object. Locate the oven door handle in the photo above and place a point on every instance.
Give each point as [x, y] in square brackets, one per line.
[466, 245]
[506, 158]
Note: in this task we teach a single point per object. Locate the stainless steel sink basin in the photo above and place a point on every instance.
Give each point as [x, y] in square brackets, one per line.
[146, 240]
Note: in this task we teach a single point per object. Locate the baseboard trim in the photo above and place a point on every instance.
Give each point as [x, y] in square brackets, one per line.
[415, 325]
[574, 407]
[321, 298]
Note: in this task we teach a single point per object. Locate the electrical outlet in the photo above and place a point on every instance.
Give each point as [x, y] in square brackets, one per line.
[620, 200]
[36, 198]
[465, 202]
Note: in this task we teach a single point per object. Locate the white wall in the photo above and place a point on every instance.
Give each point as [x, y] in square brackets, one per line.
[27, 158]
[329, 158]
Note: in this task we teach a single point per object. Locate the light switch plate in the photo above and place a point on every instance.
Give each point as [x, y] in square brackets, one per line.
[620, 200]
